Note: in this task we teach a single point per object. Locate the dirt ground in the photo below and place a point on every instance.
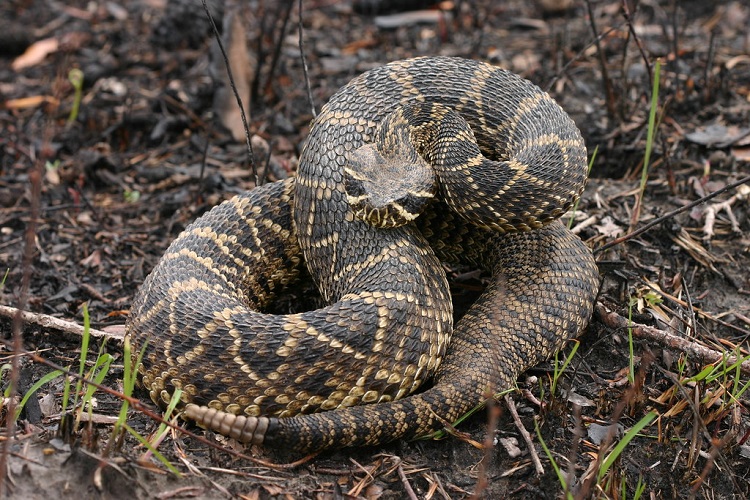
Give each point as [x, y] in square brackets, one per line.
[90, 199]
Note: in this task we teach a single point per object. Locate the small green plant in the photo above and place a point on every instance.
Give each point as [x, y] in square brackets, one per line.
[640, 487]
[81, 362]
[96, 374]
[162, 430]
[130, 372]
[575, 205]
[35, 387]
[652, 298]
[93, 378]
[651, 131]
[75, 76]
[131, 196]
[52, 165]
[606, 465]
[130, 375]
[681, 365]
[737, 392]
[651, 126]
[32, 390]
[153, 444]
[153, 450]
[443, 432]
[559, 370]
[725, 371]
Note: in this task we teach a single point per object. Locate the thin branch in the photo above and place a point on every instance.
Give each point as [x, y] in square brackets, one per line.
[304, 62]
[493, 415]
[526, 436]
[279, 42]
[250, 155]
[707, 94]
[405, 481]
[577, 57]
[628, 20]
[609, 93]
[671, 214]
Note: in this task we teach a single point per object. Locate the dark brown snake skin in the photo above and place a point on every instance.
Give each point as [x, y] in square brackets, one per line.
[261, 377]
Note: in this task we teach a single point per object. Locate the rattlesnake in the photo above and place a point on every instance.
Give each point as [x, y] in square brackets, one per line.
[270, 379]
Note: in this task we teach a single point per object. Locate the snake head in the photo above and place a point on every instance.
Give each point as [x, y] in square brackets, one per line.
[388, 189]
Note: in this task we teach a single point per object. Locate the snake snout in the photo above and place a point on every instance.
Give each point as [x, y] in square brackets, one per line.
[387, 190]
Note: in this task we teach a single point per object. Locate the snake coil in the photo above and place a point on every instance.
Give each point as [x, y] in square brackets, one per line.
[506, 158]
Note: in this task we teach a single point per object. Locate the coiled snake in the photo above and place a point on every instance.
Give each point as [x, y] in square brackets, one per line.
[506, 158]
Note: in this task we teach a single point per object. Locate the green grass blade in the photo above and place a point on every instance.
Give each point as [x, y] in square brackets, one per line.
[176, 396]
[156, 453]
[84, 351]
[558, 472]
[575, 205]
[37, 385]
[558, 372]
[129, 378]
[651, 125]
[440, 434]
[617, 451]
[703, 375]
[97, 374]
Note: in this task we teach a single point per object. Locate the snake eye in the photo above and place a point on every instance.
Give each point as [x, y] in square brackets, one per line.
[415, 202]
[354, 188]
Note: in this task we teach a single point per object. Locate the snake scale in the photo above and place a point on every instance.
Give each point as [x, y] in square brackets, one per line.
[504, 161]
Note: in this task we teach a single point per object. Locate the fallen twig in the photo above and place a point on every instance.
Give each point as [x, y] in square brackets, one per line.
[614, 320]
[304, 61]
[526, 436]
[405, 482]
[46, 321]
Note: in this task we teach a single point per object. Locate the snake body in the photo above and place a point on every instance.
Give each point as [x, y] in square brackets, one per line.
[268, 379]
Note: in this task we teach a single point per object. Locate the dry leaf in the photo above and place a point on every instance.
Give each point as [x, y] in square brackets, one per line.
[718, 135]
[30, 102]
[742, 154]
[48, 405]
[36, 53]
[511, 446]
[93, 260]
[241, 63]
[609, 228]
